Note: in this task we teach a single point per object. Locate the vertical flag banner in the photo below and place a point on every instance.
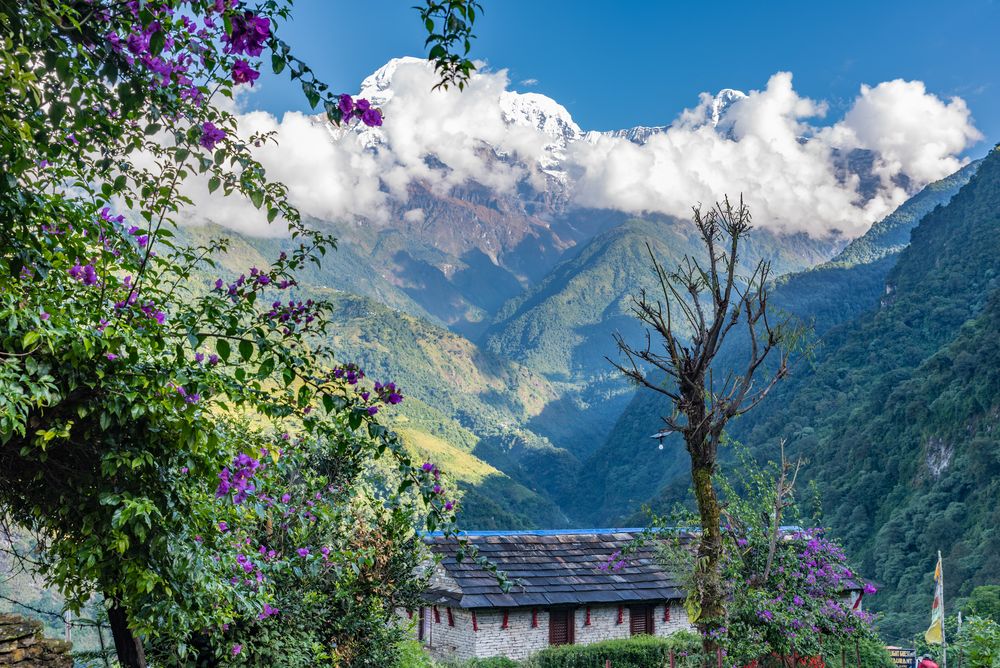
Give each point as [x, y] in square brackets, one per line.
[935, 634]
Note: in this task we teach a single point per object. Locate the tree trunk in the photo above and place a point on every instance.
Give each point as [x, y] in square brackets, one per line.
[127, 645]
[708, 578]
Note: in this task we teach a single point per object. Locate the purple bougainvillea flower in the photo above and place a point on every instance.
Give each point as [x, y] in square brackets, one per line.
[223, 527]
[211, 135]
[249, 32]
[346, 105]
[244, 74]
[111, 356]
[302, 552]
[237, 648]
[43, 315]
[372, 118]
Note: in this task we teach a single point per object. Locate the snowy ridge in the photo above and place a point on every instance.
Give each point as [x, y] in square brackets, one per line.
[541, 113]
[532, 111]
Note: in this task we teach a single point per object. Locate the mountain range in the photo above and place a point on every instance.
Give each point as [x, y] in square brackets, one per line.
[495, 309]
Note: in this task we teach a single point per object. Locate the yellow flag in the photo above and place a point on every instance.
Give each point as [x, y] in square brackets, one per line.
[935, 634]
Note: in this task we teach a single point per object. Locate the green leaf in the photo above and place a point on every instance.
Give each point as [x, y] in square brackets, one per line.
[30, 337]
[223, 348]
[246, 350]
[213, 184]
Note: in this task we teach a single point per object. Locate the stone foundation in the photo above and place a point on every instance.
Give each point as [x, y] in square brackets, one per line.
[23, 645]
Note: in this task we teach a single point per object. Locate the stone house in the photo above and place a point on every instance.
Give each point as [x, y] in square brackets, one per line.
[562, 594]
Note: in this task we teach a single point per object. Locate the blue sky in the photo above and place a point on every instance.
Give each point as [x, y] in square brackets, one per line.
[616, 65]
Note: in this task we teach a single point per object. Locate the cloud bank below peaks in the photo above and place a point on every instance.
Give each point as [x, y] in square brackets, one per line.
[770, 144]
[791, 171]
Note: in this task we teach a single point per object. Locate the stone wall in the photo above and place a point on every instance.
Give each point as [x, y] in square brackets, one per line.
[446, 641]
[520, 639]
[23, 645]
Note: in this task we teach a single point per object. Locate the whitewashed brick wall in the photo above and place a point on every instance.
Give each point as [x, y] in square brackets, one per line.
[520, 640]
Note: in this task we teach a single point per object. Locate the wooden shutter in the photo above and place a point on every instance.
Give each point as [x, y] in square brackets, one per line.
[640, 620]
[421, 620]
[560, 627]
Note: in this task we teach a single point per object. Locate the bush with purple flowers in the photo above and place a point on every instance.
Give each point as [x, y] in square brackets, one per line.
[791, 591]
[125, 379]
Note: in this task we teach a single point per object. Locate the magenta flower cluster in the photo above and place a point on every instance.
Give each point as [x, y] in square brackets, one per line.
[614, 562]
[86, 274]
[239, 480]
[437, 488]
[172, 65]
[359, 109]
[249, 33]
[294, 312]
[211, 135]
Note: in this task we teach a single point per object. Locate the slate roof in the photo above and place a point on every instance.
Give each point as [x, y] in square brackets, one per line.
[549, 568]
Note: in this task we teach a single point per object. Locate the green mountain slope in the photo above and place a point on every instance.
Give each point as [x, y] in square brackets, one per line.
[462, 405]
[563, 327]
[898, 414]
[628, 469]
[900, 417]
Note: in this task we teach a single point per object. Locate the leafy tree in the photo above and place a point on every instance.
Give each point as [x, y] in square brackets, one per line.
[698, 306]
[984, 601]
[129, 381]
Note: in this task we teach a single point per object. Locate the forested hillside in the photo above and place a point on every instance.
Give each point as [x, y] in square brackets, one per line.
[628, 469]
[896, 412]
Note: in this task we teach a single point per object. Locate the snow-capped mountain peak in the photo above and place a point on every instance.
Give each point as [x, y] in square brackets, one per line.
[540, 112]
[723, 100]
[377, 87]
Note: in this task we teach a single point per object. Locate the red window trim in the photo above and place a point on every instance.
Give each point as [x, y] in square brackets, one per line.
[409, 614]
[534, 618]
[437, 615]
[475, 622]
[586, 621]
[666, 611]
[451, 618]
[504, 625]
[621, 613]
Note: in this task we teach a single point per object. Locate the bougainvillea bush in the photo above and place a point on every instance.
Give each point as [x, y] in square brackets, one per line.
[791, 591]
[181, 441]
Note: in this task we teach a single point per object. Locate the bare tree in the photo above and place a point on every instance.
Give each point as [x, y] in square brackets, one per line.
[698, 305]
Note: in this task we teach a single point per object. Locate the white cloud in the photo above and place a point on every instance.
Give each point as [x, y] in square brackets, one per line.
[766, 149]
[529, 82]
[414, 216]
[912, 131]
[770, 145]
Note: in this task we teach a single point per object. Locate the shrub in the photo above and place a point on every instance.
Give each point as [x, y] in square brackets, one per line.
[638, 652]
